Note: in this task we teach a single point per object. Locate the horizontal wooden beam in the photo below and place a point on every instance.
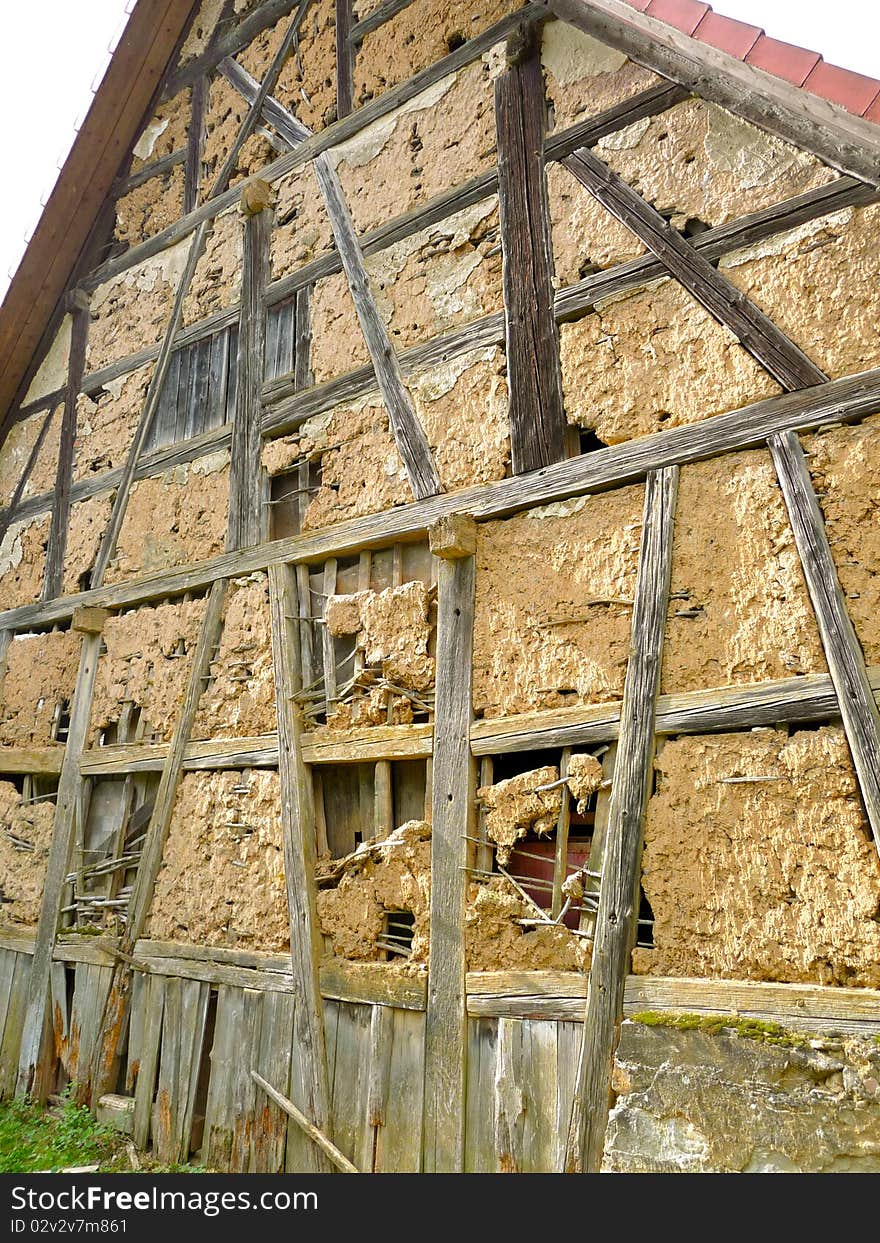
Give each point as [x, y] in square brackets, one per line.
[811, 123]
[613, 467]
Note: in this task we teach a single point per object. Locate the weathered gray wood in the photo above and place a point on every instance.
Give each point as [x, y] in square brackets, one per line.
[344, 58]
[245, 510]
[480, 1152]
[298, 826]
[15, 1024]
[846, 661]
[380, 15]
[399, 1138]
[229, 39]
[560, 863]
[509, 1104]
[837, 401]
[156, 168]
[314, 1133]
[539, 1088]
[145, 1076]
[103, 1069]
[383, 816]
[151, 403]
[537, 417]
[242, 1090]
[195, 141]
[452, 819]
[219, 1115]
[844, 141]
[308, 149]
[328, 649]
[54, 571]
[618, 903]
[273, 1060]
[63, 832]
[777, 353]
[409, 435]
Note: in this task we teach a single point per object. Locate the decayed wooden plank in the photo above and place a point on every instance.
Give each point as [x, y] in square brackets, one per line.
[399, 1138]
[350, 1077]
[452, 818]
[378, 1082]
[777, 353]
[61, 507]
[145, 1071]
[509, 1103]
[618, 903]
[103, 1072]
[56, 868]
[273, 1062]
[840, 139]
[219, 1119]
[846, 662]
[15, 1023]
[480, 1154]
[537, 417]
[539, 1088]
[344, 58]
[314, 1133]
[195, 141]
[298, 826]
[244, 528]
[243, 1090]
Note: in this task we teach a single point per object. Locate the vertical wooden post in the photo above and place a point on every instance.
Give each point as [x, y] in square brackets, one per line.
[560, 864]
[59, 853]
[537, 416]
[618, 890]
[452, 816]
[79, 305]
[344, 59]
[107, 1045]
[846, 662]
[245, 510]
[309, 1089]
[195, 139]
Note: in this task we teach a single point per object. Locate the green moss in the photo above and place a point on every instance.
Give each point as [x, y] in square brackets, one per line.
[33, 1138]
[722, 1024]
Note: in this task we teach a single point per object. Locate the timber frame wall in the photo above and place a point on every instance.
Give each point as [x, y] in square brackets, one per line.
[354, 1056]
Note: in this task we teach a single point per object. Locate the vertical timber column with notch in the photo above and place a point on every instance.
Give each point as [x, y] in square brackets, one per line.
[109, 1042]
[846, 662]
[195, 141]
[90, 623]
[79, 307]
[308, 1088]
[245, 508]
[453, 541]
[537, 416]
[616, 919]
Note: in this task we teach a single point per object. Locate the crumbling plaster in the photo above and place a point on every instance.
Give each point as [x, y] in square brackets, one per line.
[768, 879]
[23, 867]
[40, 673]
[239, 701]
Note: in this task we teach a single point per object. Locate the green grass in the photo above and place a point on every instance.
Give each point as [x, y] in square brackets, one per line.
[33, 1138]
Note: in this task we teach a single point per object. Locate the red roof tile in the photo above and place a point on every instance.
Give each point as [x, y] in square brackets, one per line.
[731, 36]
[785, 60]
[873, 113]
[685, 15]
[853, 91]
[856, 93]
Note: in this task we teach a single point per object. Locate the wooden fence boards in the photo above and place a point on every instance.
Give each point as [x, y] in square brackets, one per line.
[16, 972]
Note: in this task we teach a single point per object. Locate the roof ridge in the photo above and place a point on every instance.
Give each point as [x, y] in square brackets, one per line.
[858, 94]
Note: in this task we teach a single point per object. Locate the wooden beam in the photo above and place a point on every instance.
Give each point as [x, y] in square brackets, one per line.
[453, 791]
[54, 571]
[344, 59]
[769, 345]
[842, 140]
[309, 1086]
[195, 142]
[618, 891]
[332, 136]
[315, 1134]
[846, 662]
[229, 42]
[63, 833]
[537, 416]
[151, 404]
[244, 528]
[107, 1044]
[378, 17]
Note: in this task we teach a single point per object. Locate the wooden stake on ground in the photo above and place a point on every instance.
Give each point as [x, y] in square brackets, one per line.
[618, 892]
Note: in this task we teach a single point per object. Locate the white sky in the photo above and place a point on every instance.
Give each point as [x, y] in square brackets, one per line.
[43, 100]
